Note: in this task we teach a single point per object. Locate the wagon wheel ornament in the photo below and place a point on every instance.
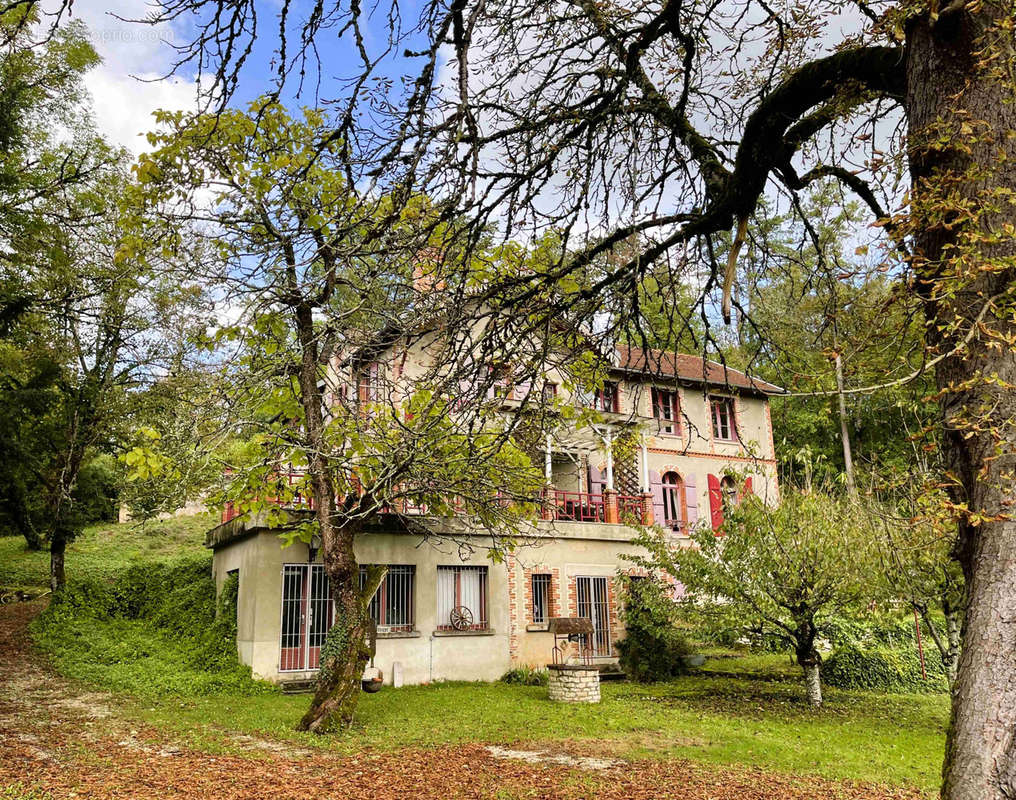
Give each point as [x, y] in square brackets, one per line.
[461, 618]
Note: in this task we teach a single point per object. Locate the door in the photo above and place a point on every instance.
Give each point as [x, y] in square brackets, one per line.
[593, 604]
[306, 616]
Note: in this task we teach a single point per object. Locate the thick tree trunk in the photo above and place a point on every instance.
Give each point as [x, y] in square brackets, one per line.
[963, 164]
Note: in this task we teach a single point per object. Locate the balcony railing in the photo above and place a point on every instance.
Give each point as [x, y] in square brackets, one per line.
[556, 504]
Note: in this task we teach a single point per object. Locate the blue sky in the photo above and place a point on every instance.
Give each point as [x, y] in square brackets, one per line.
[128, 86]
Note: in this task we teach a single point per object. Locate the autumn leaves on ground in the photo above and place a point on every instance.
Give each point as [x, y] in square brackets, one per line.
[58, 740]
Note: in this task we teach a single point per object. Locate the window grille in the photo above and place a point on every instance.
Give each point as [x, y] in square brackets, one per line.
[541, 598]
[392, 607]
[593, 604]
[462, 588]
[307, 614]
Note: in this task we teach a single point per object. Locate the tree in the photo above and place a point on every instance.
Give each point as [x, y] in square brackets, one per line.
[777, 573]
[667, 121]
[916, 544]
[320, 278]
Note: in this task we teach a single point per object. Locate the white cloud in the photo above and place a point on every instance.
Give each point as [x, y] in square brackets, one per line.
[126, 88]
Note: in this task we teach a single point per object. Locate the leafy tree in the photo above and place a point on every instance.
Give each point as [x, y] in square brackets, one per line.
[667, 120]
[318, 276]
[778, 572]
[916, 544]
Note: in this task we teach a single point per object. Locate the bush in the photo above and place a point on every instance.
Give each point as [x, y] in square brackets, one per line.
[150, 629]
[526, 676]
[883, 669]
[653, 648]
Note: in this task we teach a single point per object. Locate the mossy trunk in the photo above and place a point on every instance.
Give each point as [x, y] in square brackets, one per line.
[959, 103]
[343, 659]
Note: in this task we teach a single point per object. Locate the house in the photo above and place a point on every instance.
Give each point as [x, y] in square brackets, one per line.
[446, 612]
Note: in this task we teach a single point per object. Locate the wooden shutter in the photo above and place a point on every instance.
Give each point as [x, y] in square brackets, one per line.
[691, 500]
[715, 502]
[656, 489]
[746, 489]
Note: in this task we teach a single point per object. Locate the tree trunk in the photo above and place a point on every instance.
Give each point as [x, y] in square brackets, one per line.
[813, 683]
[344, 653]
[811, 662]
[848, 458]
[963, 162]
[57, 548]
[952, 635]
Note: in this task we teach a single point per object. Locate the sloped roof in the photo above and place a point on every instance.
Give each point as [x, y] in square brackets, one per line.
[663, 363]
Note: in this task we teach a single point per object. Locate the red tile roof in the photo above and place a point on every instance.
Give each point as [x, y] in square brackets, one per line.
[663, 363]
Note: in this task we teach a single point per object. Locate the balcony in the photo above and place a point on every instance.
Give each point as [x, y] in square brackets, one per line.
[556, 505]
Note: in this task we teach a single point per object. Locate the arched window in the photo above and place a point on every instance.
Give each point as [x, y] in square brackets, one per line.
[673, 508]
[728, 492]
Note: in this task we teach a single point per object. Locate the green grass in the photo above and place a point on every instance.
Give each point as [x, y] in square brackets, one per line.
[105, 548]
[761, 721]
[738, 709]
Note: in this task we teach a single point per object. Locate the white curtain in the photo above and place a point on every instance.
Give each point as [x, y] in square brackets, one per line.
[445, 595]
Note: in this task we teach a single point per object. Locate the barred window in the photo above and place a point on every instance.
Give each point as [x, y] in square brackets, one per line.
[541, 598]
[462, 598]
[392, 607]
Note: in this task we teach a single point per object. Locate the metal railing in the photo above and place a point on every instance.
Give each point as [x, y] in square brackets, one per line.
[557, 504]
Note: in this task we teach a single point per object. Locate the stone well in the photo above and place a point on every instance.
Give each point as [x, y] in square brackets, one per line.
[574, 683]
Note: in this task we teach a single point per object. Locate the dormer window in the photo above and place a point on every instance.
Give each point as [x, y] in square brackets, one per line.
[666, 410]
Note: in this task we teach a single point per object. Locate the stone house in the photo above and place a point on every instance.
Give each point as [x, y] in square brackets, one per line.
[446, 612]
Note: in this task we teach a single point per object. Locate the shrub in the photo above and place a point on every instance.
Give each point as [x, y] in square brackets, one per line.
[653, 648]
[525, 676]
[883, 669]
[151, 629]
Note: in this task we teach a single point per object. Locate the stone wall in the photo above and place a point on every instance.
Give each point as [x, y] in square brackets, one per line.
[573, 683]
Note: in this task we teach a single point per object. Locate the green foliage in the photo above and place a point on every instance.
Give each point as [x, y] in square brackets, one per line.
[105, 549]
[150, 629]
[883, 669]
[96, 490]
[526, 676]
[653, 648]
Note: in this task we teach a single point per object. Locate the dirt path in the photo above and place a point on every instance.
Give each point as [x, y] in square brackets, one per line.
[58, 742]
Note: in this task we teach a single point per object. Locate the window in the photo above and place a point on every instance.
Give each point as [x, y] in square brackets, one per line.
[549, 392]
[606, 399]
[541, 598]
[391, 608]
[307, 614]
[666, 409]
[462, 598]
[723, 418]
[368, 383]
[500, 382]
[673, 488]
[593, 604]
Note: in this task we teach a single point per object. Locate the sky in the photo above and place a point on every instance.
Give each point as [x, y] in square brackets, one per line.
[130, 84]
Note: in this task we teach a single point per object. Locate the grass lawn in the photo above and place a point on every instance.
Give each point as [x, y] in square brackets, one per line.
[105, 547]
[760, 721]
[747, 710]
